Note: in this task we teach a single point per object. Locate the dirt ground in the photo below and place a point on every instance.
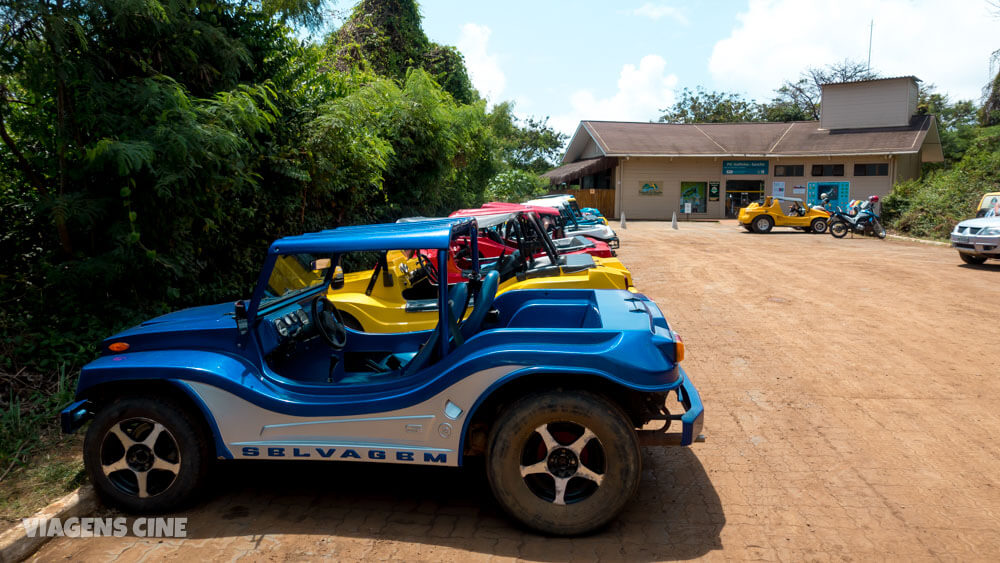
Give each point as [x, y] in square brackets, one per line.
[852, 395]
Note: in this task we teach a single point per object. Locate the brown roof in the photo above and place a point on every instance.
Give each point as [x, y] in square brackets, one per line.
[799, 138]
[568, 172]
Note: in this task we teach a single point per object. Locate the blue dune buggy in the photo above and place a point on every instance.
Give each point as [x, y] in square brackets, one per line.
[548, 385]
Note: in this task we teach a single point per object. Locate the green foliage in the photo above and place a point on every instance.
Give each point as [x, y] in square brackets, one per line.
[516, 186]
[800, 99]
[989, 114]
[931, 206]
[956, 123]
[794, 101]
[26, 405]
[385, 37]
[702, 106]
[528, 144]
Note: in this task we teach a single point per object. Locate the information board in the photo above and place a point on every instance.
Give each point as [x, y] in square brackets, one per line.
[733, 167]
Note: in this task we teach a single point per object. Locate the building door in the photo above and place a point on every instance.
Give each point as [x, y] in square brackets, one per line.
[741, 193]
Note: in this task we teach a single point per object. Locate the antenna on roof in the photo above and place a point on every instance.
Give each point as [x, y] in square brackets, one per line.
[871, 31]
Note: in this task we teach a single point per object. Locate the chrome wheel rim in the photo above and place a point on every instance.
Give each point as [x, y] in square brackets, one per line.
[762, 224]
[140, 457]
[563, 462]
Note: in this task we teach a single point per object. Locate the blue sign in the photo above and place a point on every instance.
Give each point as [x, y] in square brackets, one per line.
[745, 166]
[838, 192]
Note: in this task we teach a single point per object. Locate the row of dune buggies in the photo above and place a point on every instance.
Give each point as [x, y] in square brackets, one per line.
[510, 333]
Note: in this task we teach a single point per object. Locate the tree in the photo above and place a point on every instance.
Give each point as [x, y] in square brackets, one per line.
[956, 122]
[386, 37]
[528, 144]
[800, 99]
[990, 112]
[702, 106]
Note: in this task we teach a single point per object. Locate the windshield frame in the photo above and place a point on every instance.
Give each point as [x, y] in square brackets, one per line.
[266, 305]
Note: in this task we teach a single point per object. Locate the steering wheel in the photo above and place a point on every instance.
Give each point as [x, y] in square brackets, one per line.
[429, 268]
[329, 323]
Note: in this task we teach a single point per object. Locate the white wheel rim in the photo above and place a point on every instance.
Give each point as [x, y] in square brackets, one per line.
[144, 448]
[559, 472]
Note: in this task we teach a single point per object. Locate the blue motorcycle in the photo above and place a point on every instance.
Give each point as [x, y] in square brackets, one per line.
[862, 221]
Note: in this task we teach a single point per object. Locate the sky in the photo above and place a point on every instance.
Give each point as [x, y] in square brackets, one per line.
[590, 60]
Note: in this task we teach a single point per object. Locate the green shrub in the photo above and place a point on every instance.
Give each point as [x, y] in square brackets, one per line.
[931, 206]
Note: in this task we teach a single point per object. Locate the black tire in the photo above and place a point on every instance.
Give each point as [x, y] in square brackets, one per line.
[838, 229]
[877, 229]
[818, 226]
[181, 448]
[972, 259]
[611, 456]
[763, 224]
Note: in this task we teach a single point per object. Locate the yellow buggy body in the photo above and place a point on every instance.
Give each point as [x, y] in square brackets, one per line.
[762, 217]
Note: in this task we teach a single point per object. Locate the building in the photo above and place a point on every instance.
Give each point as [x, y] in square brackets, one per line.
[867, 139]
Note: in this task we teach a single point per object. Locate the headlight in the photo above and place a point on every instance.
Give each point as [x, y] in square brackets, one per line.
[990, 231]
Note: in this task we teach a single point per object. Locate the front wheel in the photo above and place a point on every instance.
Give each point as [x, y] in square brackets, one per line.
[818, 226]
[838, 229]
[877, 229]
[972, 259]
[563, 463]
[763, 224]
[146, 454]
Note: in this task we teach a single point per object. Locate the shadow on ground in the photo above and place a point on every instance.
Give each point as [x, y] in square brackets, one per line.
[676, 514]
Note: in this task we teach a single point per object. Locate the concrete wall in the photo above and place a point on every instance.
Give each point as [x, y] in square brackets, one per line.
[668, 173]
[881, 103]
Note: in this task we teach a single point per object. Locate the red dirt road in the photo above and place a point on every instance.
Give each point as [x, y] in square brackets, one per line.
[852, 393]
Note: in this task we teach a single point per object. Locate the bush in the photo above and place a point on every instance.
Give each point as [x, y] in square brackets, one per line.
[931, 206]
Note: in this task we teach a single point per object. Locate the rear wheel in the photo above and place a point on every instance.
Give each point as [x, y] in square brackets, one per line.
[763, 224]
[972, 259]
[838, 229]
[146, 454]
[818, 226]
[563, 463]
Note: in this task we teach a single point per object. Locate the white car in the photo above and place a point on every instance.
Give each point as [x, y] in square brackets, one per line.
[977, 239]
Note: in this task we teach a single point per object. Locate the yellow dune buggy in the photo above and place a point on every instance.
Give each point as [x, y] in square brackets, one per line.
[762, 217]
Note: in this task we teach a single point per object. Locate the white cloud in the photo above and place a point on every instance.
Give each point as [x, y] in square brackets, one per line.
[642, 92]
[658, 11]
[947, 44]
[484, 70]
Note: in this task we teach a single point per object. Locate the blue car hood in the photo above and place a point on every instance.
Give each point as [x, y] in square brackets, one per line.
[208, 317]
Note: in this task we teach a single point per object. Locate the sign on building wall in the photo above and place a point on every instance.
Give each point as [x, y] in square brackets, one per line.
[650, 187]
[694, 194]
[778, 189]
[838, 192]
[734, 167]
[713, 191]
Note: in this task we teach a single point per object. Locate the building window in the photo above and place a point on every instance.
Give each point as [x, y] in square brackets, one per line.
[695, 193]
[789, 170]
[599, 181]
[828, 170]
[871, 169]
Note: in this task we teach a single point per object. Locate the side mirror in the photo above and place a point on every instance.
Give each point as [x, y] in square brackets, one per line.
[338, 278]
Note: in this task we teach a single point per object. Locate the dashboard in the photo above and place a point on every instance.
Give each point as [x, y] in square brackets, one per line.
[287, 324]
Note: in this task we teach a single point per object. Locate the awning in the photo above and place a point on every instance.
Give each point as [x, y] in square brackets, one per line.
[575, 170]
